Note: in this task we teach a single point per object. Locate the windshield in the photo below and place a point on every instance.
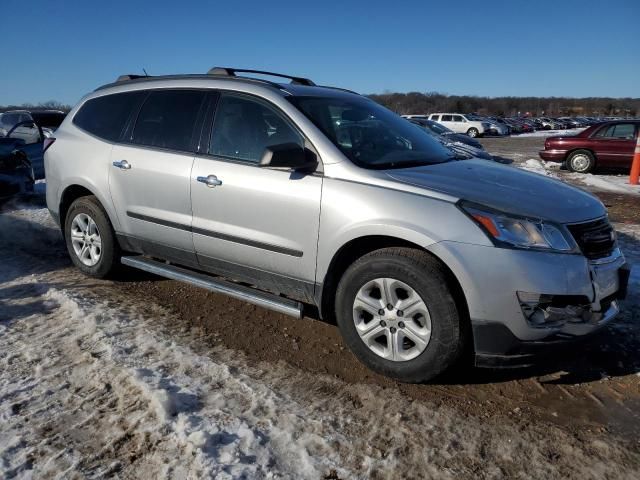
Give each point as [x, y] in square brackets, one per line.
[370, 135]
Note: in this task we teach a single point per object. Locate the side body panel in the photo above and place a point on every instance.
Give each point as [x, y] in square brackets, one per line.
[264, 218]
[77, 158]
[152, 198]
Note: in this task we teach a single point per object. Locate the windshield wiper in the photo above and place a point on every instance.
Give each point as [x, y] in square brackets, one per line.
[408, 164]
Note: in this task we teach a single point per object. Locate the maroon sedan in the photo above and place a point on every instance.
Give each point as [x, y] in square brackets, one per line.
[608, 144]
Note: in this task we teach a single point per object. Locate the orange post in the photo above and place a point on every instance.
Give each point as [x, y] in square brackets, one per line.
[635, 165]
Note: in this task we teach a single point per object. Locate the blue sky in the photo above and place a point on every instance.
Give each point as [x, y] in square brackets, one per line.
[61, 50]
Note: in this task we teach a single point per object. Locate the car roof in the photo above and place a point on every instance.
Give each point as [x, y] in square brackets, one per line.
[298, 86]
[34, 112]
[635, 121]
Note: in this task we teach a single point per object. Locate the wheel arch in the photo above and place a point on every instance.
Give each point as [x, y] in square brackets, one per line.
[72, 192]
[356, 248]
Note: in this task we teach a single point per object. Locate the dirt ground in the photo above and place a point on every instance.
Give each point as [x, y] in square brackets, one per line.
[594, 388]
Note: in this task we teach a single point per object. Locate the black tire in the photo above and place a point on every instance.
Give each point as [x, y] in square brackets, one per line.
[473, 132]
[430, 280]
[109, 260]
[581, 161]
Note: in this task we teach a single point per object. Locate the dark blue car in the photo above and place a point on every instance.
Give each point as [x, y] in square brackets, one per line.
[16, 172]
[32, 126]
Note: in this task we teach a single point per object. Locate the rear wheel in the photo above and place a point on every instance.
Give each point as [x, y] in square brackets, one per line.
[473, 132]
[397, 314]
[90, 238]
[581, 161]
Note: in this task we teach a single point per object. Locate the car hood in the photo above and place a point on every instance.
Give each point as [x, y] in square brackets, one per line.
[505, 188]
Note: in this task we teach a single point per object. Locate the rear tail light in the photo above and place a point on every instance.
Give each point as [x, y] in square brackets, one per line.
[47, 143]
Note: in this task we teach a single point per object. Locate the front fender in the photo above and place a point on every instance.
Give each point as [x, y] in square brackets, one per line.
[355, 210]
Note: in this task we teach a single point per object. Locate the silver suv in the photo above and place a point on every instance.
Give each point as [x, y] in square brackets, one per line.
[302, 198]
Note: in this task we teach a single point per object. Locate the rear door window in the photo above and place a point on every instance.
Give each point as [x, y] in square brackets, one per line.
[435, 117]
[106, 116]
[167, 119]
[623, 130]
[447, 118]
[244, 128]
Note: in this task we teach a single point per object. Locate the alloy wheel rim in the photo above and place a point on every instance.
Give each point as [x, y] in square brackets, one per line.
[580, 162]
[86, 240]
[391, 319]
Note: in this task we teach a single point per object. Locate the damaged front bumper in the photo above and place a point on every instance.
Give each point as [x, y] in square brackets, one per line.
[561, 319]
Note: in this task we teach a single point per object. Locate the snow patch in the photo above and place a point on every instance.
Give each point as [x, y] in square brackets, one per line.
[537, 166]
[609, 183]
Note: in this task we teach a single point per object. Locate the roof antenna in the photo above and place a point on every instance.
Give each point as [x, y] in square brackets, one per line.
[145, 72]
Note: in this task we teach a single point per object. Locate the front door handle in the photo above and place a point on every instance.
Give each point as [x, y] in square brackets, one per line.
[122, 164]
[210, 181]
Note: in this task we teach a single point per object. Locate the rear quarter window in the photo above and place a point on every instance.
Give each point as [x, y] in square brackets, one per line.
[106, 116]
[167, 119]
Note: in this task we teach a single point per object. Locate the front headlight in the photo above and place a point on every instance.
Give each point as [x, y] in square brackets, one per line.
[507, 230]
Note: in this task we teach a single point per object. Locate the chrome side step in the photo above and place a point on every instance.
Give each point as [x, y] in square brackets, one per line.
[241, 292]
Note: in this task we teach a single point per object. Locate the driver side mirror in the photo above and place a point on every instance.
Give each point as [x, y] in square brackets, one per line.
[289, 155]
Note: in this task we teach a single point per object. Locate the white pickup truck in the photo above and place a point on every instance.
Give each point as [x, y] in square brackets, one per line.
[459, 123]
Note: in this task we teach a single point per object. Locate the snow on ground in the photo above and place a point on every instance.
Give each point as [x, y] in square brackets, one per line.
[609, 183]
[538, 166]
[617, 183]
[96, 384]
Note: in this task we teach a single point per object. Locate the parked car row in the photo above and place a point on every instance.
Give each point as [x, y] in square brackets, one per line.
[462, 145]
[476, 125]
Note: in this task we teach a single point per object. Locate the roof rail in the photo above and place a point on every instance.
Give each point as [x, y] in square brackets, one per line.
[125, 78]
[340, 89]
[231, 72]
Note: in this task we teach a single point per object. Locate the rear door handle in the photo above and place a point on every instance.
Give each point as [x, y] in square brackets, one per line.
[122, 164]
[210, 181]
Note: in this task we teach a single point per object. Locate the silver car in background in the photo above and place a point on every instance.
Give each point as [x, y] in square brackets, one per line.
[308, 199]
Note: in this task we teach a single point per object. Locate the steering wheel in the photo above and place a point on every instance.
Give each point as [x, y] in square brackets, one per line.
[26, 122]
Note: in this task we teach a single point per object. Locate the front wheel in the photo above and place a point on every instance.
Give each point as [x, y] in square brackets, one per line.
[473, 132]
[90, 239]
[397, 314]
